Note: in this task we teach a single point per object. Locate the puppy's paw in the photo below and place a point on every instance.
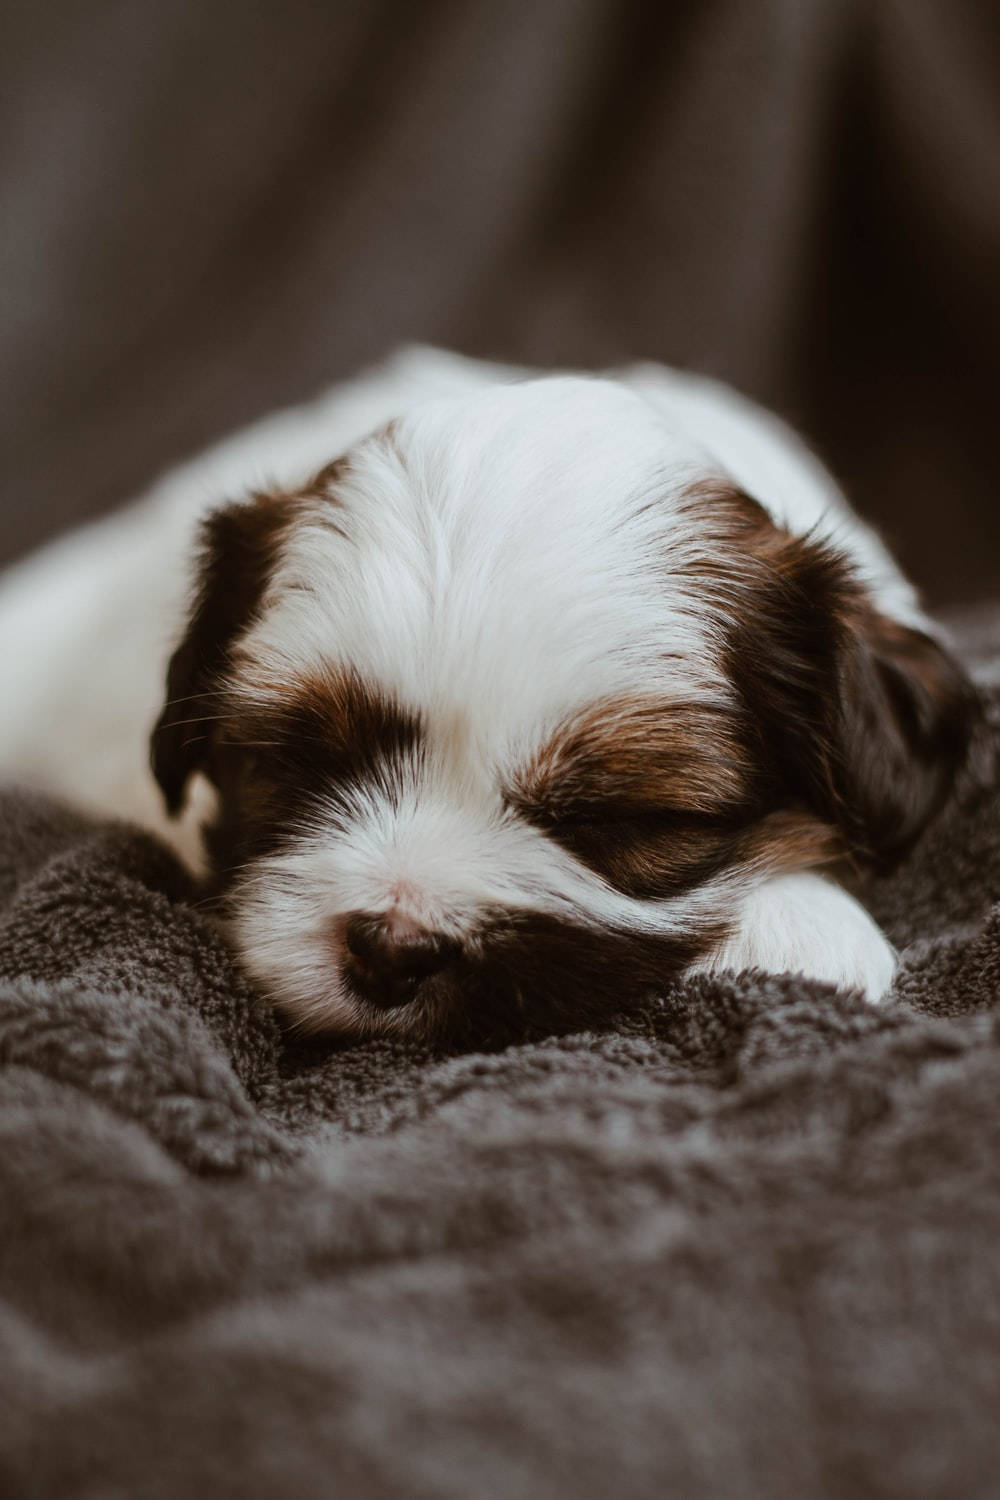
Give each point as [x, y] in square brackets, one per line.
[805, 924]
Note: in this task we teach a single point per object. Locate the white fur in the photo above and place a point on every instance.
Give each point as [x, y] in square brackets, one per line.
[802, 923]
[507, 558]
[510, 553]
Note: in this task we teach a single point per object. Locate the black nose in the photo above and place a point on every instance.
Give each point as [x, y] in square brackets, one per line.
[387, 966]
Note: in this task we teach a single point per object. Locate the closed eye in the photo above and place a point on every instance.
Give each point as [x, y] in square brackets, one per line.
[642, 817]
[647, 852]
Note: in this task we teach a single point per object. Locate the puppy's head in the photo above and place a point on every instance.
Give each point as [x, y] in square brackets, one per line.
[509, 705]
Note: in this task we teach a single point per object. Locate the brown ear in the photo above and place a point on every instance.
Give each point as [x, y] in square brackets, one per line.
[867, 720]
[238, 549]
[906, 711]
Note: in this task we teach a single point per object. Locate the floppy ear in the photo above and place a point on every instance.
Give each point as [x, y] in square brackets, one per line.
[868, 719]
[906, 711]
[238, 549]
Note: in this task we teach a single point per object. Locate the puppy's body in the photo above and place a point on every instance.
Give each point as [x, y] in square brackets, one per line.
[544, 686]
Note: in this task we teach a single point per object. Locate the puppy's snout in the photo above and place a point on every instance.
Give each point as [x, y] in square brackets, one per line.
[389, 961]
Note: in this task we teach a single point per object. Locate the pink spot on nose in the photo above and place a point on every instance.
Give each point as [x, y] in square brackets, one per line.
[400, 927]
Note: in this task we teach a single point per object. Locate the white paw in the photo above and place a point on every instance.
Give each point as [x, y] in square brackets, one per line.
[805, 924]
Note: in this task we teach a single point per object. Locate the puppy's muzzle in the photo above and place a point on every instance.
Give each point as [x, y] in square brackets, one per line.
[388, 962]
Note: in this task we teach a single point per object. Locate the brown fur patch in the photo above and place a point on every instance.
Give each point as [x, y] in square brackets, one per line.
[790, 840]
[275, 760]
[844, 736]
[326, 480]
[641, 753]
[649, 793]
[240, 545]
[859, 718]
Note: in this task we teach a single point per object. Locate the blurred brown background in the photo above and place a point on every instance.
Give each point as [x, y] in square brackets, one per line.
[212, 208]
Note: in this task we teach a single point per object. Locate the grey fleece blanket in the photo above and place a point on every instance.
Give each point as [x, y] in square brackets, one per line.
[744, 1241]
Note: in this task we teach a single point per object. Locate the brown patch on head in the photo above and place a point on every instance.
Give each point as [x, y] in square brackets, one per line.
[860, 719]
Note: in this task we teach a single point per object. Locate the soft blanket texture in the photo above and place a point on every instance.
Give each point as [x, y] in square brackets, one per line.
[742, 1242]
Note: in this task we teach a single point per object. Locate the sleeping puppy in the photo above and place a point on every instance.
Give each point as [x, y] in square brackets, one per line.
[516, 695]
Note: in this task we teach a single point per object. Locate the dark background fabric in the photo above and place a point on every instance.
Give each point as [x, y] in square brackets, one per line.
[738, 1242]
[211, 209]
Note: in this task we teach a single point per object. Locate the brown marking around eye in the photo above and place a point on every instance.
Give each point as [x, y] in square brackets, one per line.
[327, 723]
[652, 857]
[657, 795]
[640, 754]
[648, 857]
[314, 739]
[651, 794]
